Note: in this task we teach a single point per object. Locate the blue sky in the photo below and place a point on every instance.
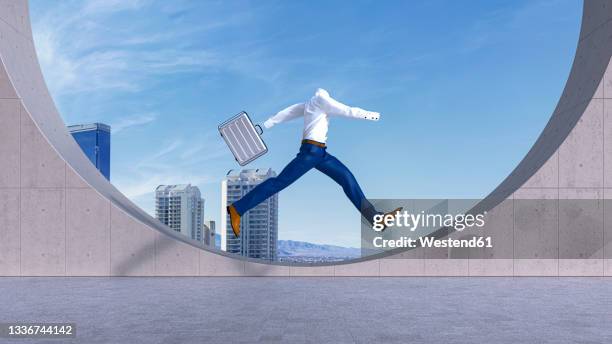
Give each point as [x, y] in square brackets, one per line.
[464, 88]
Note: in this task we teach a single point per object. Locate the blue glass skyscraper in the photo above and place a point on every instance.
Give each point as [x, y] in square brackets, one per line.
[94, 140]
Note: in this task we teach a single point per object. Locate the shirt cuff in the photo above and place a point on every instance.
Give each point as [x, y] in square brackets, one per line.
[268, 124]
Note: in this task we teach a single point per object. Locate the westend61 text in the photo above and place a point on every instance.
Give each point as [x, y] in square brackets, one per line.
[475, 242]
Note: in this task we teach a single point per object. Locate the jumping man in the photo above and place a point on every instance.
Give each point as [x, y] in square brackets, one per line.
[313, 154]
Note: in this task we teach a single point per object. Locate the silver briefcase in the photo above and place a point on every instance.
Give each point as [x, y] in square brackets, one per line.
[243, 138]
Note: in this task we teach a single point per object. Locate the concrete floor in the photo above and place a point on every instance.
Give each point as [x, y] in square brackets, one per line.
[315, 310]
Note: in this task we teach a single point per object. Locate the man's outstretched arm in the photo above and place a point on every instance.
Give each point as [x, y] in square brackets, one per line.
[294, 111]
[334, 107]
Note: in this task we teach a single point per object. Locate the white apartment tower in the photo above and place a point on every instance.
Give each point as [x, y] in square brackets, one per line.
[181, 208]
[259, 226]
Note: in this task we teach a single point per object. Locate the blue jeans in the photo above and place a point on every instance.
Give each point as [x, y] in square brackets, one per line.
[309, 156]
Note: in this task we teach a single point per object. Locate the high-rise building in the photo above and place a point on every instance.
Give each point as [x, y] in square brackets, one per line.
[181, 208]
[259, 226]
[209, 233]
[94, 140]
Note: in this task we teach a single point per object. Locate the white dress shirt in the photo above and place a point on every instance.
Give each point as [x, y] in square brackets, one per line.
[316, 113]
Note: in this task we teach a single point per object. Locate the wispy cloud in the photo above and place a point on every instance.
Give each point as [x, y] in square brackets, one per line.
[132, 121]
[175, 162]
[79, 53]
[108, 6]
[124, 70]
[90, 47]
[165, 150]
[491, 26]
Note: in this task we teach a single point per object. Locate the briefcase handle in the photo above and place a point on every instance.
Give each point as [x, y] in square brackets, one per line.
[259, 129]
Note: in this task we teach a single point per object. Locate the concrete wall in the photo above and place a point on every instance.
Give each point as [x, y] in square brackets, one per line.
[59, 217]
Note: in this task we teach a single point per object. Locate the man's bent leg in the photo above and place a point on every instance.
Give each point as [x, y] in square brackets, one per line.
[301, 164]
[334, 169]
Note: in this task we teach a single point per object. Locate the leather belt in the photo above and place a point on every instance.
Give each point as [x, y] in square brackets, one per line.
[316, 143]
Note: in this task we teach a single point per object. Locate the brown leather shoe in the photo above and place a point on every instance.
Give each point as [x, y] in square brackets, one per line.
[391, 213]
[234, 219]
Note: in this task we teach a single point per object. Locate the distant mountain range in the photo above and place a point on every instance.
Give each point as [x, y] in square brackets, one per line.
[291, 248]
